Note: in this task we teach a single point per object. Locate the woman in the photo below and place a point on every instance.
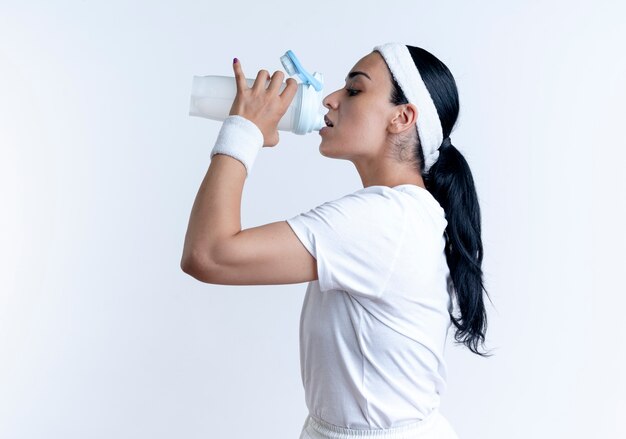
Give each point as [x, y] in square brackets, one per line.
[383, 263]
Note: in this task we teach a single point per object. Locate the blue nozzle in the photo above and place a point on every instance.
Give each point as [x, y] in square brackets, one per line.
[293, 67]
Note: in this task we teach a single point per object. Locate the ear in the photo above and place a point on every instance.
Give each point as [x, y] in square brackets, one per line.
[406, 117]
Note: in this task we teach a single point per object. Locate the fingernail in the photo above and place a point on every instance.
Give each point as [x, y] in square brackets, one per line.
[235, 60]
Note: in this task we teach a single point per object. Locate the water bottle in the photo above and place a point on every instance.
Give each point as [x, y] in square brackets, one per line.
[212, 97]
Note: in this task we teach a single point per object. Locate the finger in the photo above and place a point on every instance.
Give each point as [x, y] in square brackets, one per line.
[290, 91]
[261, 78]
[240, 78]
[277, 81]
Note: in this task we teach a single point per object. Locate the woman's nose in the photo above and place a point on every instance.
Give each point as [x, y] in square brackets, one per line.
[329, 101]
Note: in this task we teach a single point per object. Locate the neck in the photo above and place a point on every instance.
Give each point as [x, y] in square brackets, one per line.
[389, 175]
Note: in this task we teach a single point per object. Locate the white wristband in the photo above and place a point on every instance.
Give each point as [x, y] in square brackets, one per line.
[239, 138]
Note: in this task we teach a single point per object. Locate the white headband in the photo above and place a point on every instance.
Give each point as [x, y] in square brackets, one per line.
[404, 71]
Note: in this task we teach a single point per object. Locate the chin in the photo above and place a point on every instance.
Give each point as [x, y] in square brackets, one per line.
[331, 153]
[324, 148]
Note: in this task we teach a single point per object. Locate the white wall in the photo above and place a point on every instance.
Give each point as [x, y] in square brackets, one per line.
[102, 335]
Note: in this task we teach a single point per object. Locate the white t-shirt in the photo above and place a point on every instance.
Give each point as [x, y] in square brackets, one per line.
[373, 327]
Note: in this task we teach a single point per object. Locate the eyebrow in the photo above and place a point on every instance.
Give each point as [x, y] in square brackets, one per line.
[353, 74]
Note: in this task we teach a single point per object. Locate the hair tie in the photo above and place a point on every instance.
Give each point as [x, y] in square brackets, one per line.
[406, 74]
[446, 142]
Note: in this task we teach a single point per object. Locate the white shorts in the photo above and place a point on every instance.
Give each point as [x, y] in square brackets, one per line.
[434, 426]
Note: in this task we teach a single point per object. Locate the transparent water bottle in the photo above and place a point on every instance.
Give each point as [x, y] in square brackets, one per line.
[212, 97]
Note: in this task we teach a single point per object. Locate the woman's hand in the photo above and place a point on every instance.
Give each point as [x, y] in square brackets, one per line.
[264, 107]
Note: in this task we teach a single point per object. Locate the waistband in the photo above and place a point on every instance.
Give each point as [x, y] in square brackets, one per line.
[406, 431]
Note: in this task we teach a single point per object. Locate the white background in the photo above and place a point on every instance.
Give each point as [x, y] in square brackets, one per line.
[103, 336]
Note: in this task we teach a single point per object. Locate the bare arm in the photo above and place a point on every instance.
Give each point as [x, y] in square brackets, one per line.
[216, 212]
[216, 250]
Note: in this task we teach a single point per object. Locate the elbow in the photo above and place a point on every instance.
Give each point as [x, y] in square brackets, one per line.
[185, 265]
[200, 262]
[190, 261]
[197, 269]
[186, 262]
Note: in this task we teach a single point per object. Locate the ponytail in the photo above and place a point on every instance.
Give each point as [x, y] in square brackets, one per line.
[450, 182]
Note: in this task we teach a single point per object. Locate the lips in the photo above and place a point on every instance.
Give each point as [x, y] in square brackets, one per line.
[329, 123]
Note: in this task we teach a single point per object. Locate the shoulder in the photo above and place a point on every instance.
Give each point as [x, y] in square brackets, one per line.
[373, 196]
[363, 215]
[370, 204]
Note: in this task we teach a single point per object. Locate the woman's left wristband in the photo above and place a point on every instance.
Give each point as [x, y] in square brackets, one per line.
[239, 138]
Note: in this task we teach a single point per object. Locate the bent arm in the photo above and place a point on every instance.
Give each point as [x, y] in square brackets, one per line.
[218, 251]
[216, 212]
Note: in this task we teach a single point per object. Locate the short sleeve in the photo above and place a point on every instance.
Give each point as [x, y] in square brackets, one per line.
[355, 240]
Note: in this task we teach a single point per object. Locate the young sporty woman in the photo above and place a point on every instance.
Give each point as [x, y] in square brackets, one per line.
[385, 264]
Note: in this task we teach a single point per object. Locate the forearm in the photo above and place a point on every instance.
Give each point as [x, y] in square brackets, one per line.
[216, 212]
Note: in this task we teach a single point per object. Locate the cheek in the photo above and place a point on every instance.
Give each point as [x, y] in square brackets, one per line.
[368, 128]
[361, 129]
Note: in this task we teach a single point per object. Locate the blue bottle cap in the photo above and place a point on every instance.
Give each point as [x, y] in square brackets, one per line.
[293, 67]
